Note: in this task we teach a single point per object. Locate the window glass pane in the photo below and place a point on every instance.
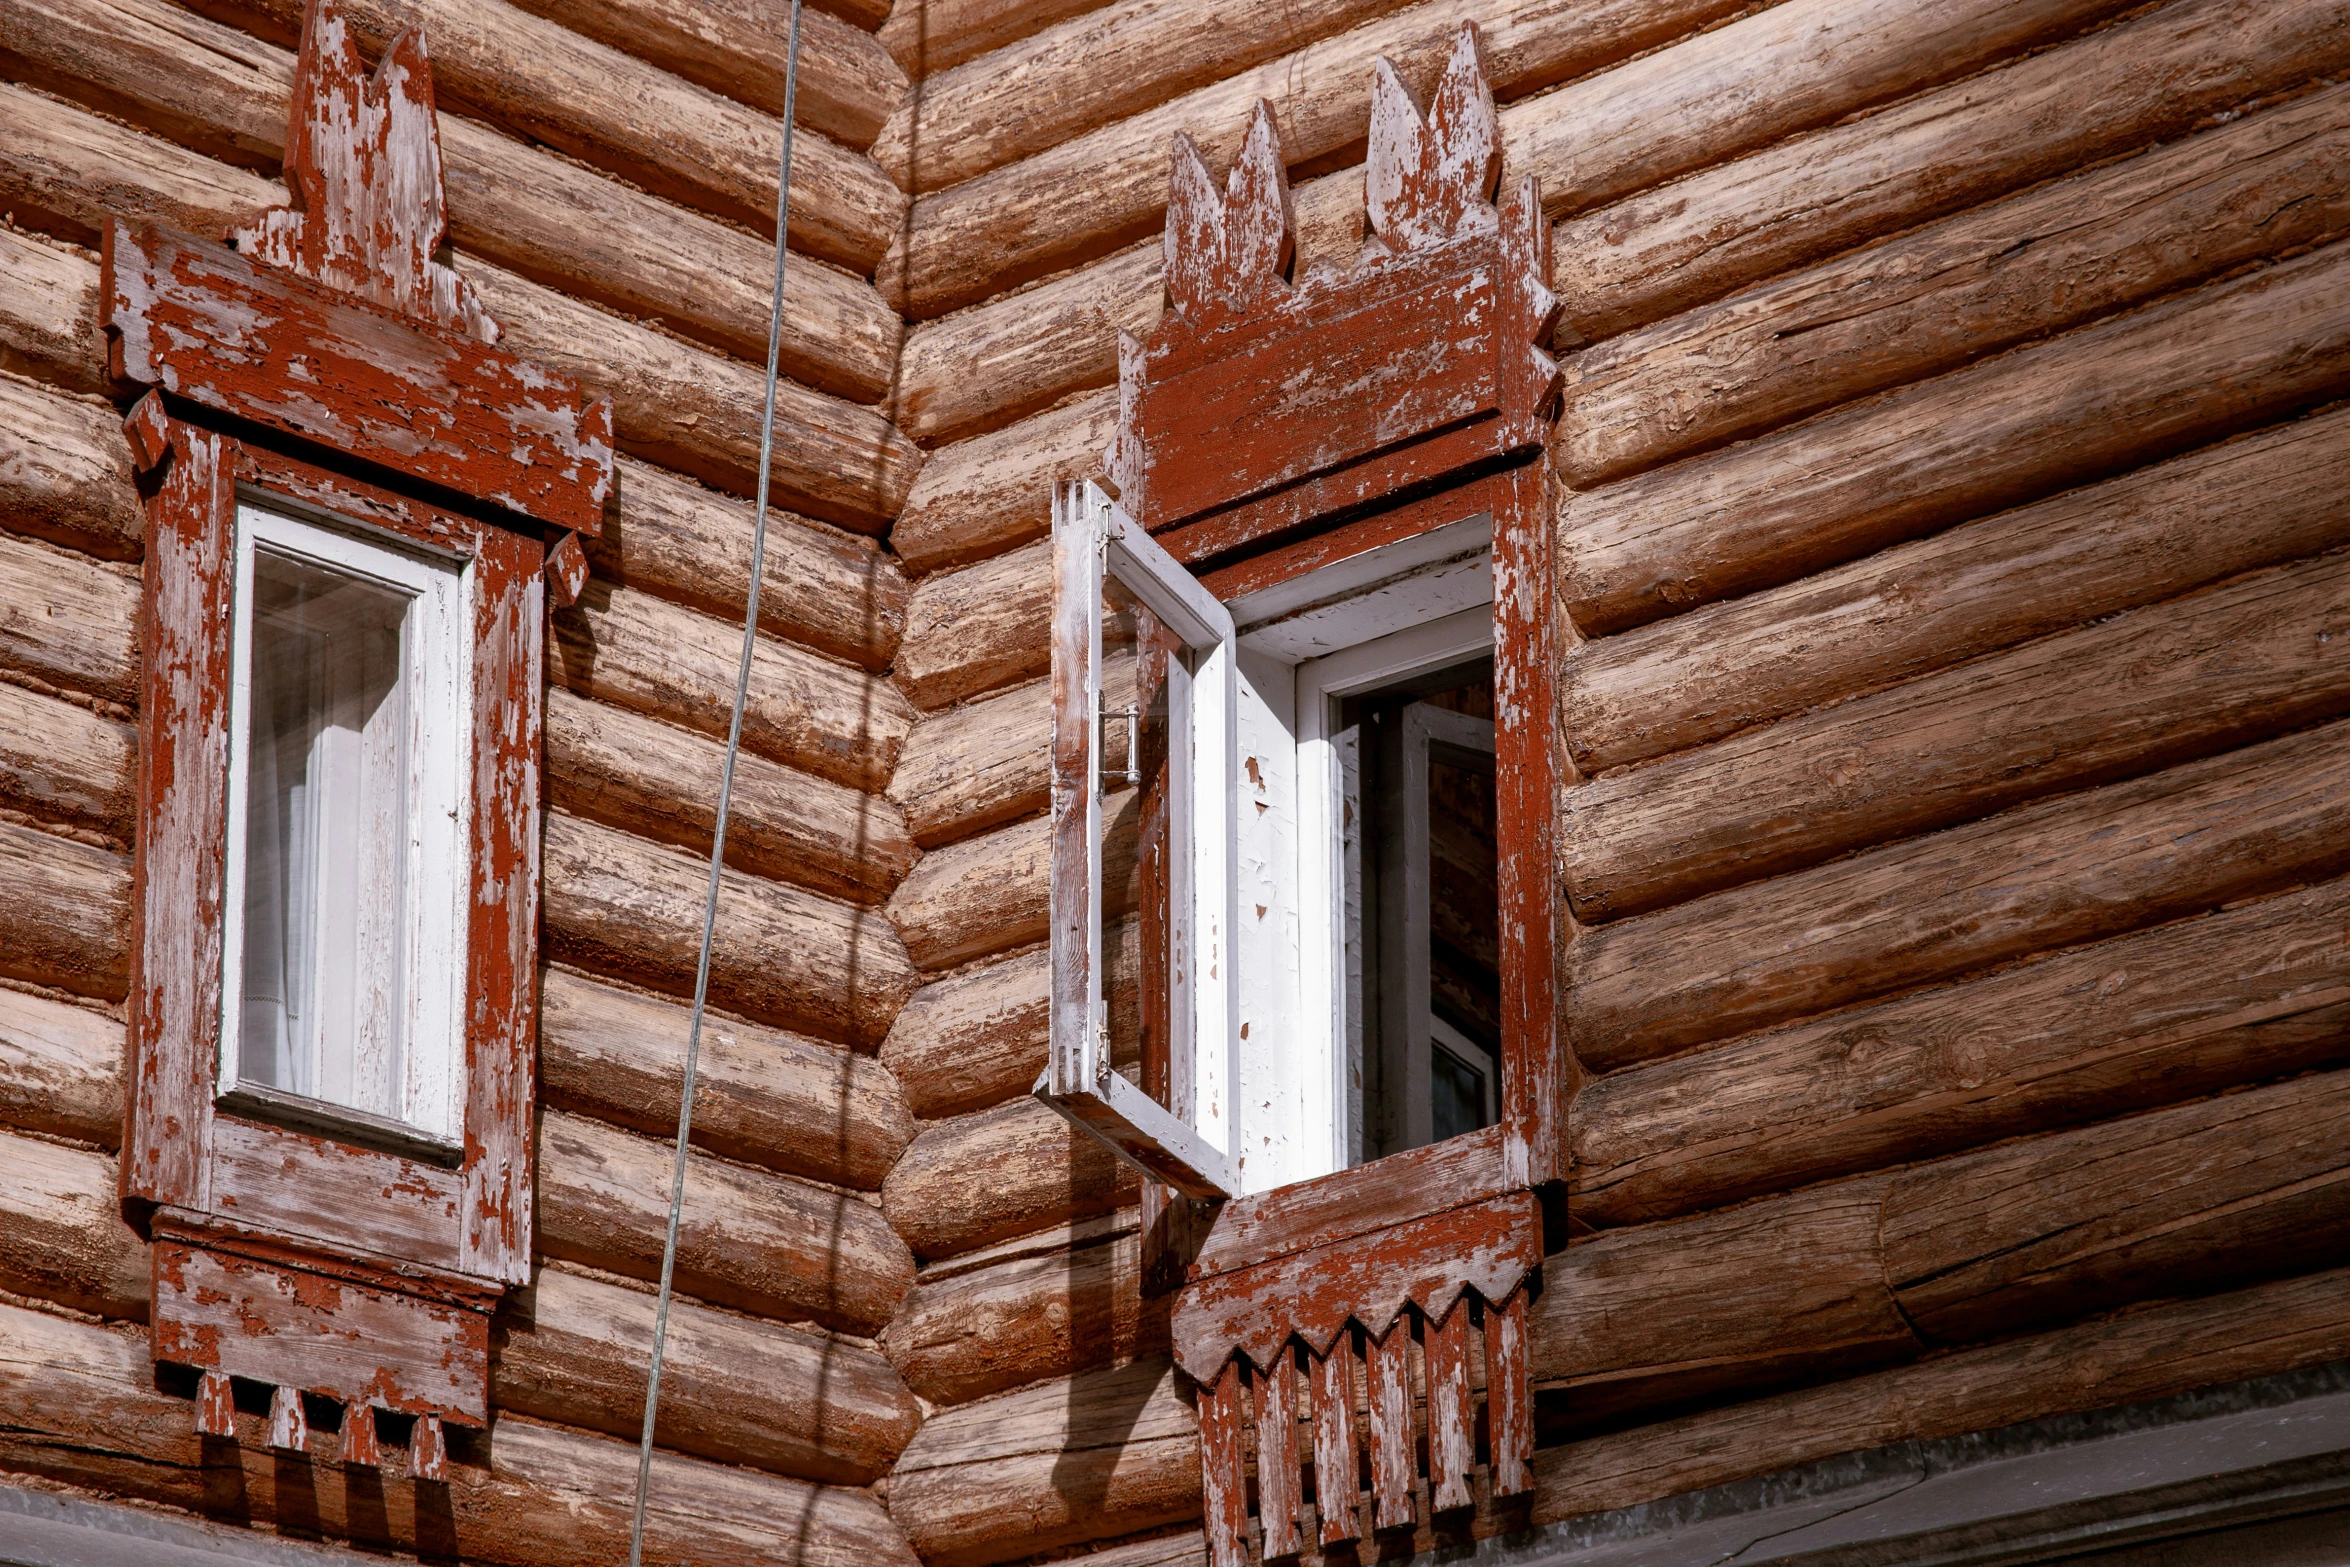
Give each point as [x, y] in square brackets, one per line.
[327, 828]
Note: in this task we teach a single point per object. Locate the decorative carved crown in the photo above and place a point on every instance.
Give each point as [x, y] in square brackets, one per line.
[1429, 184]
[363, 160]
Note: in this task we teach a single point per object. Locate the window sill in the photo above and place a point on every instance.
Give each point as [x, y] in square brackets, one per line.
[360, 1128]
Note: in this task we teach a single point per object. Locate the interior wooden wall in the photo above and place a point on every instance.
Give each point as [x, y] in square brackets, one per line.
[1963, 710]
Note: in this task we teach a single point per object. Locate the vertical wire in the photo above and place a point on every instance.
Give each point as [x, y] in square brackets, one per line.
[734, 740]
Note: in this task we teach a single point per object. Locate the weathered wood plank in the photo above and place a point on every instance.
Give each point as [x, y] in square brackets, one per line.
[982, 1178]
[2165, 1014]
[749, 1239]
[1051, 1304]
[970, 768]
[618, 904]
[575, 1350]
[85, 1411]
[1998, 433]
[977, 1038]
[1057, 1464]
[66, 765]
[2151, 79]
[972, 631]
[2144, 689]
[2143, 1354]
[621, 768]
[989, 894]
[66, 920]
[1918, 607]
[1387, 1382]
[1932, 300]
[67, 1241]
[834, 592]
[2046, 875]
[65, 474]
[1338, 1485]
[761, 1096]
[626, 647]
[2191, 1199]
[60, 1069]
[609, 109]
[993, 492]
[49, 314]
[1280, 1482]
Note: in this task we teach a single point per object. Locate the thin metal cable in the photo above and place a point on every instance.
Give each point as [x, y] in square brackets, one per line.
[734, 741]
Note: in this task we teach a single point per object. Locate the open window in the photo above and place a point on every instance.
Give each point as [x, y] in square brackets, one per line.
[1331, 492]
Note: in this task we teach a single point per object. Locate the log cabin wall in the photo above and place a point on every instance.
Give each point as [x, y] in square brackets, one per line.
[1951, 477]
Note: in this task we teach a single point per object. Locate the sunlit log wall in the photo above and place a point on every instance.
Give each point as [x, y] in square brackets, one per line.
[1954, 520]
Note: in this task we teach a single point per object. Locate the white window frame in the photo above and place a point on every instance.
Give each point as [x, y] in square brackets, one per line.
[438, 659]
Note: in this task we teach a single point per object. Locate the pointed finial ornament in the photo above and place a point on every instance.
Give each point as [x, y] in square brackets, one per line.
[1430, 177]
[363, 160]
[1228, 251]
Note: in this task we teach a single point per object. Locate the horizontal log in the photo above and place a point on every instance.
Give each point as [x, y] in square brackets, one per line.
[618, 113]
[747, 1239]
[66, 920]
[848, 81]
[990, 894]
[629, 771]
[66, 620]
[49, 315]
[65, 471]
[2001, 432]
[967, 769]
[1934, 299]
[972, 1039]
[834, 592]
[60, 1068]
[2051, 874]
[1057, 1464]
[2077, 557]
[223, 92]
[982, 1178]
[66, 171]
[761, 1096]
[618, 904]
[575, 1351]
[631, 649]
[994, 492]
[1065, 1301]
[2144, 689]
[67, 1241]
[2151, 79]
[931, 35]
[66, 765]
[84, 1411]
[2134, 1356]
[1660, 113]
[1106, 64]
[973, 631]
[2160, 1016]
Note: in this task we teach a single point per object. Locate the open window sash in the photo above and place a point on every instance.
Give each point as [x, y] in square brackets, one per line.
[1184, 1143]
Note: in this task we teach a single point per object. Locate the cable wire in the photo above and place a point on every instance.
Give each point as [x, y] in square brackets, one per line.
[734, 741]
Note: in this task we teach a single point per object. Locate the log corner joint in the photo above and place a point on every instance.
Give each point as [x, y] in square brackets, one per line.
[1270, 424]
[325, 362]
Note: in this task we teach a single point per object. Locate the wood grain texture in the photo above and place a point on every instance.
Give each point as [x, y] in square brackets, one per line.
[619, 767]
[1387, 1382]
[2191, 1199]
[2247, 993]
[1057, 1464]
[982, 1178]
[69, 622]
[1918, 607]
[1337, 1453]
[88, 1414]
[1050, 1304]
[2072, 869]
[1999, 433]
[928, 36]
[621, 905]
[2150, 79]
[1968, 286]
[989, 894]
[993, 492]
[1329, 1209]
[574, 1350]
[2149, 1353]
[65, 474]
[2137, 691]
[626, 647]
[1280, 1485]
[67, 1241]
[977, 1038]
[598, 104]
[750, 1240]
[67, 766]
[836, 593]
[60, 1069]
[972, 631]
[49, 316]
[967, 769]
[762, 1096]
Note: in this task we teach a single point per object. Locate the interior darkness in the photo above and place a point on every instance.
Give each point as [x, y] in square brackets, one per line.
[1427, 862]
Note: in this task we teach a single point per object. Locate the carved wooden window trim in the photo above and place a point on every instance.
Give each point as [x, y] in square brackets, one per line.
[328, 367]
[1250, 450]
